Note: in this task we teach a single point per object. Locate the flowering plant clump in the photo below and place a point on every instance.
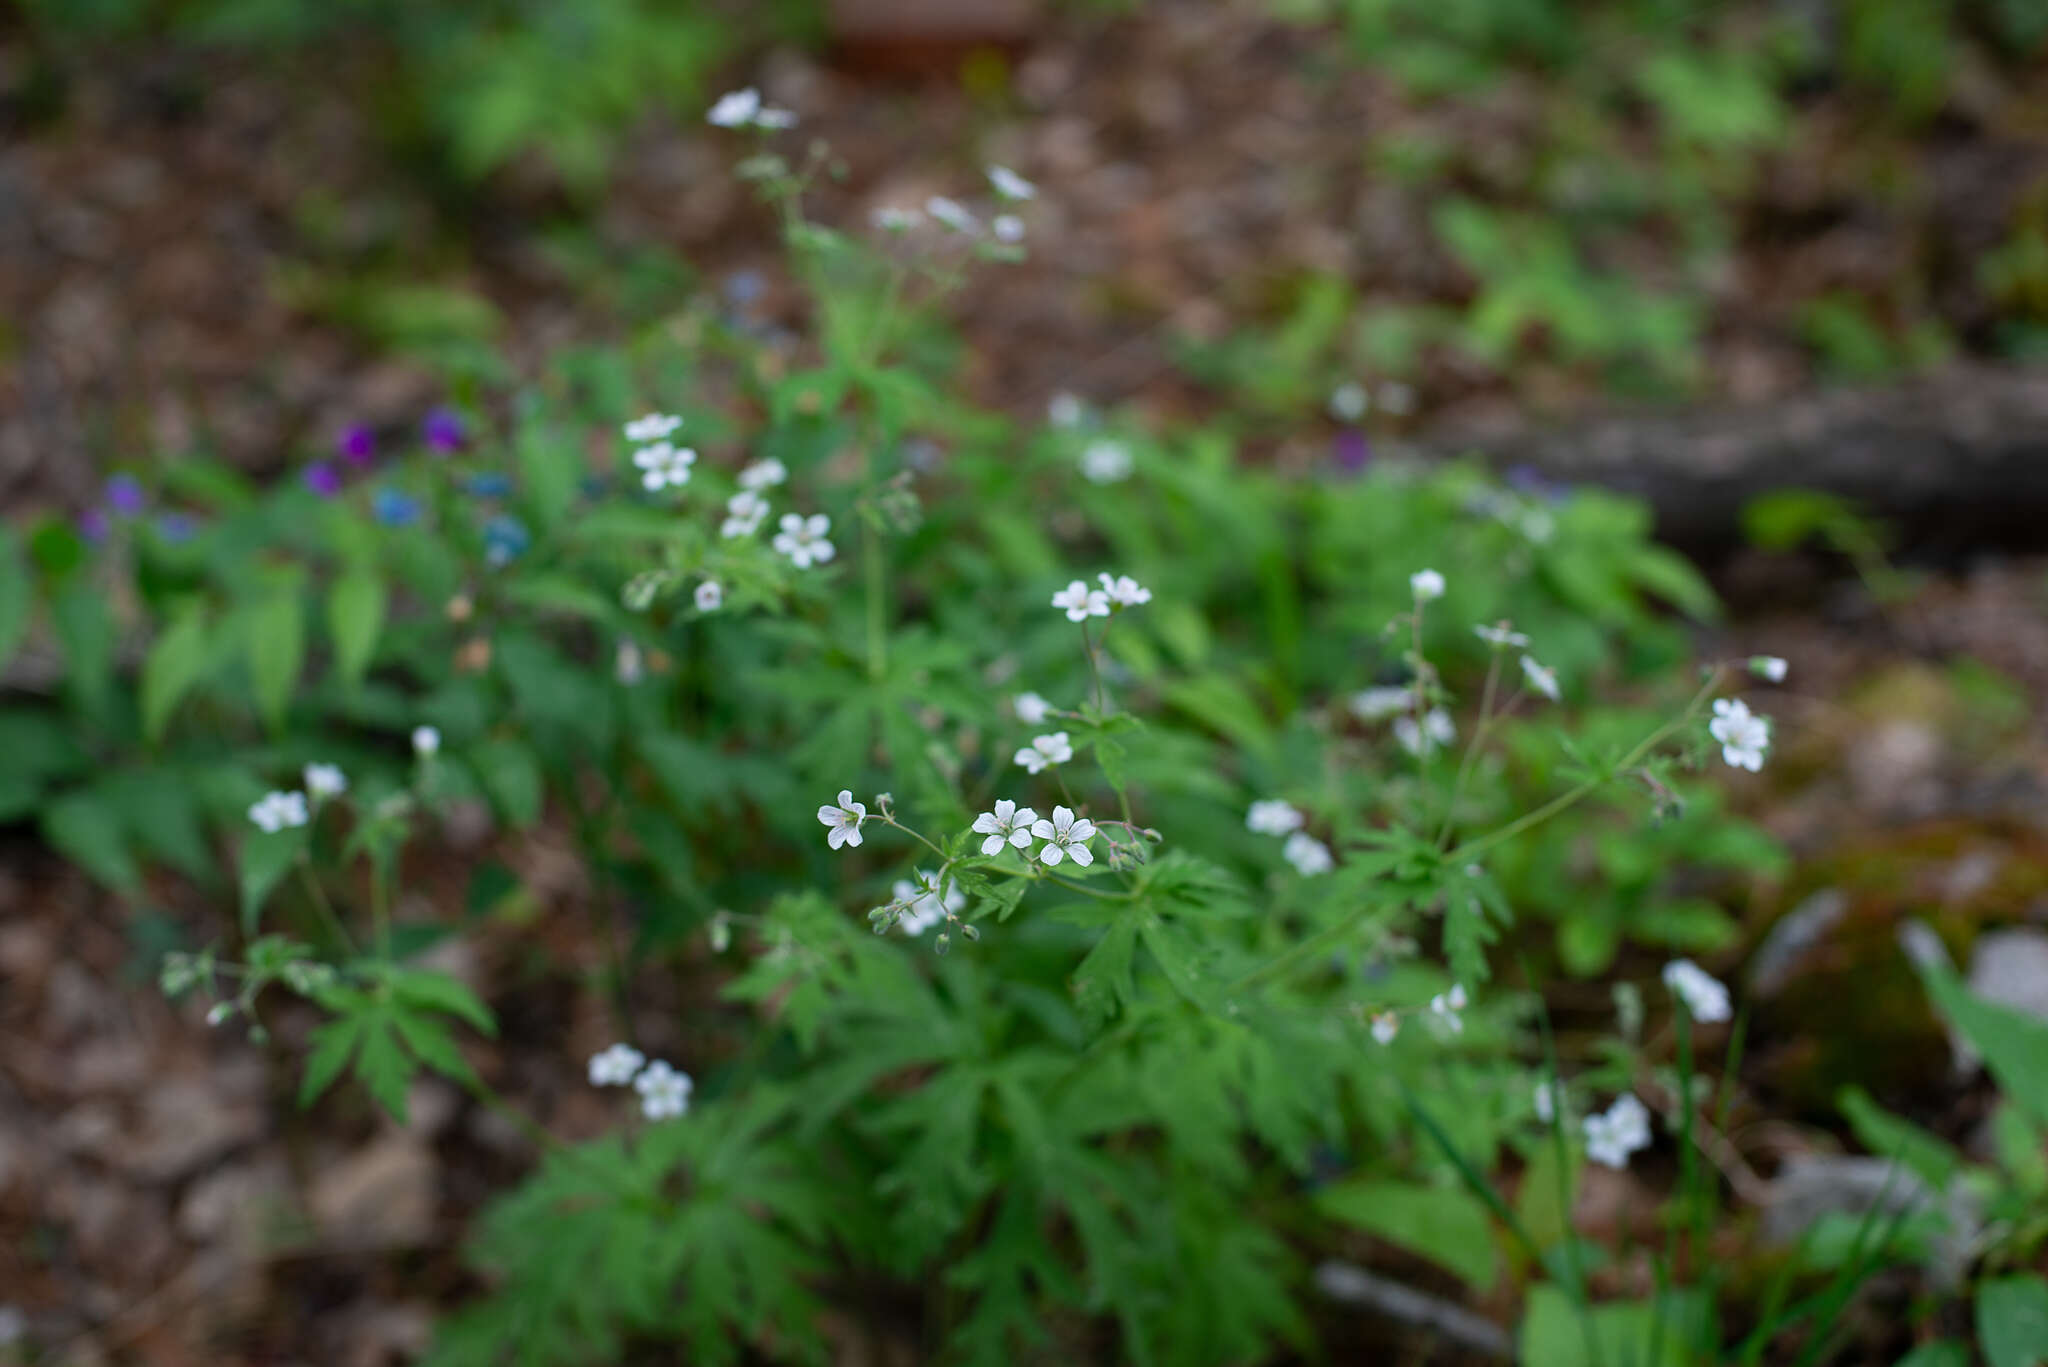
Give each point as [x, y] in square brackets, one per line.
[1200, 879]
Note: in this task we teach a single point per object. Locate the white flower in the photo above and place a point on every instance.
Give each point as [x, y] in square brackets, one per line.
[1007, 228]
[1065, 410]
[1743, 735]
[1010, 185]
[892, 219]
[1081, 602]
[1377, 704]
[1271, 816]
[1622, 1130]
[1500, 635]
[1030, 708]
[1427, 585]
[1705, 998]
[1309, 855]
[1106, 461]
[1445, 1006]
[1349, 402]
[952, 213]
[1546, 1103]
[1066, 837]
[744, 513]
[803, 539]
[1044, 750]
[926, 908]
[1436, 729]
[1770, 668]
[1385, 1025]
[743, 109]
[278, 811]
[652, 426]
[426, 742]
[1007, 824]
[710, 596]
[844, 820]
[615, 1067]
[663, 464]
[664, 1092]
[325, 780]
[1124, 591]
[628, 665]
[763, 473]
[1542, 679]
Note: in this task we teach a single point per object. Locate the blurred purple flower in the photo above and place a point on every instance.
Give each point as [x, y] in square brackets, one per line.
[93, 525]
[323, 479]
[1351, 451]
[357, 445]
[124, 495]
[443, 430]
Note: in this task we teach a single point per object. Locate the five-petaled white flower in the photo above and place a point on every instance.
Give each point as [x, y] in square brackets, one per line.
[325, 780]
[664, 1092]
[1427, 585]
[802, 539]
[1500, 635]
[278, 811]
[1066, 837]
[663, 465]
[1007, 824]
[892, 219]
[1385, 1025]
[1065, 410]
[1081, 602]
[1123, 591]
[426, 741]
[744, 513]
[1030, 708]
[843, 822]
[743, 109]
[1379, 703]
[1309, 855]
[1445, 1006]
[652, 426]
[1009, 184]
[1271, 816]
[925, 908]
[1044, 750]
[763, 473]
[710, 596]
[1106, 461]
[1618, 1132]
[1007, 228]
[1435, 729]
[1705, 997]
[1770, 668]
[952, 213]
[1542, 678]
[1743, 735]
[615, 1067]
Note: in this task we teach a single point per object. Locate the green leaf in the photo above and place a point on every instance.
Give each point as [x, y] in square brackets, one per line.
[277, 649]
[439, 992]
[1556, 1333]
[332, 1045]
[355, 618]
[1887, 1136]
[174, 664]
[1940, 1353]
[15, 595]
[2014, 1044]
[1442, 1224]
[433, 1045]
[86, 829]
[2012, 1321]
[85, 627]
[264, 860]
[511, 776]
[382, 1066]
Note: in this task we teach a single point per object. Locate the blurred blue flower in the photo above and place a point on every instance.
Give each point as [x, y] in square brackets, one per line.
[177, 528]
[395, 509]
[124, 495]
[505, 538]
[490, 484]
[443, 430]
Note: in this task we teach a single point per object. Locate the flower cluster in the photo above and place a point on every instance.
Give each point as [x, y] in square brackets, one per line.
[744, 109]
[1308, 855]
[1445, 1008]
[664, 1091]
[1744, 736]
[662, 464]
[278, 811]
[1620, 1131]
[1118, 591]
[923, 904]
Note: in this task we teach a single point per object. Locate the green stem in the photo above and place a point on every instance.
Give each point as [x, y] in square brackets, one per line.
[871, 562]
[1471, 750]
[1094, 671]
[326, 908]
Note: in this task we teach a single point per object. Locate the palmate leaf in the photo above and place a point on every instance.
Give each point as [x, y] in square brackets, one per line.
[386, 1034]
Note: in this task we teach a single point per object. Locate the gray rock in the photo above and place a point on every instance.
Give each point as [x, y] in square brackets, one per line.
[2010, 967]
[1811, 1186]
